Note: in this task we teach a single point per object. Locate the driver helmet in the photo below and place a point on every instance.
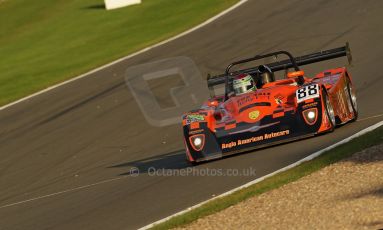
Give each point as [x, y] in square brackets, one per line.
[243, 83]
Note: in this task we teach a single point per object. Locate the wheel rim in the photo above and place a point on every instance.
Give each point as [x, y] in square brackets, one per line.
[330, 111]
[353, 98]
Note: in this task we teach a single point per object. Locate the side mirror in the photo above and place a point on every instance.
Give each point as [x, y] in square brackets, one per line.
[295, 74]
[328, 86]
[213, 103]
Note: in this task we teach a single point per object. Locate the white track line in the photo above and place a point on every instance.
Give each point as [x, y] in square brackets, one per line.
[129, 56]
[367, 118]
[61, 192]
[310, 157]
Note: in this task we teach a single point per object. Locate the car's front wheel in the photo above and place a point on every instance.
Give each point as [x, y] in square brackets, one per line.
[352, 98]
[329, 110]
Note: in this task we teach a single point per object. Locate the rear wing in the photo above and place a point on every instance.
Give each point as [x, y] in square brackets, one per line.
[292, 62]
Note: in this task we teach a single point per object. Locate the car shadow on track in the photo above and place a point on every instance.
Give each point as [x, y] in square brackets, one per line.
[172, 160]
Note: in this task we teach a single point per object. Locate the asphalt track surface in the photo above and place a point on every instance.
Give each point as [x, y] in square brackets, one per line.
[65, 155]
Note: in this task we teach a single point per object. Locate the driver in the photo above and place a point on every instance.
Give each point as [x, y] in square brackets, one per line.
[243, 83]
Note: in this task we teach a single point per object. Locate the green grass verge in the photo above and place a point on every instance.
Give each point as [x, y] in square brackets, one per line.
[48, 41]
[330, 157]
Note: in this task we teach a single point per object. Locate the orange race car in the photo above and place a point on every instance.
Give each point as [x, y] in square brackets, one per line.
[257, 111]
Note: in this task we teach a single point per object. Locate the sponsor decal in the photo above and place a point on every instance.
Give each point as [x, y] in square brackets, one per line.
[244, 100]
[310, 105]
[195, 131]
[229, 145]
[262, 95]
[333, 79]
[254, 115]
[255, 139]
[279, 98]
[194, 118]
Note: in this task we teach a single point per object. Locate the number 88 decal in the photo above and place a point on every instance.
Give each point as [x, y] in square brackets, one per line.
[307, 92]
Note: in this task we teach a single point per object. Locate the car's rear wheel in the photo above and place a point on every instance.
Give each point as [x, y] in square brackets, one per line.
[329, 110]
[352, 98]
